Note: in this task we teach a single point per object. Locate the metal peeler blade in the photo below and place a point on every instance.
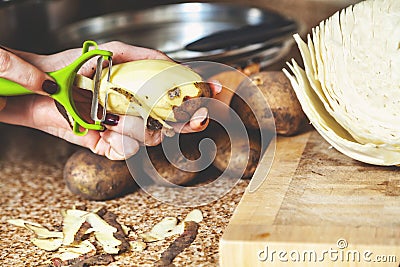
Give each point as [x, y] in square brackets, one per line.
[96, 89]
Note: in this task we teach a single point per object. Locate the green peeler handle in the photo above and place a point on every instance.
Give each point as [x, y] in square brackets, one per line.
[9, 88]
[65, 79]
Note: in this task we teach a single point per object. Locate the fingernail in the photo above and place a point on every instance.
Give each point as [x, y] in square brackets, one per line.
[50, 87]
[203, 122]
[111, 119]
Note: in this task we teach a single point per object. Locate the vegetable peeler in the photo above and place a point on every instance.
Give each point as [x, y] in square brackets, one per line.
[65, 79]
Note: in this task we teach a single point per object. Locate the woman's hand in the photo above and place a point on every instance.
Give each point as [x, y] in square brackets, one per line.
[16, 69]
[40, 112]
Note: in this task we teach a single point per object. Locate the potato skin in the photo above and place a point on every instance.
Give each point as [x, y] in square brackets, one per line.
[186, 110]
[277, 91]
[160, 170]
[242, 157]
[250, 160]
[95, 177]
[165, 169]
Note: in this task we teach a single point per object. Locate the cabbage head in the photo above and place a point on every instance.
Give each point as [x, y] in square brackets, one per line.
[349, 86]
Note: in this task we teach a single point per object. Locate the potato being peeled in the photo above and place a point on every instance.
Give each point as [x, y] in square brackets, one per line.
[159, 89]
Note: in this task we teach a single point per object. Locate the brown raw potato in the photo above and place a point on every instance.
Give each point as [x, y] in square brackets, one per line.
[160, 169]
[278, 93]
[243, 158]
[224, 156]
[95, 177]
[189, 106]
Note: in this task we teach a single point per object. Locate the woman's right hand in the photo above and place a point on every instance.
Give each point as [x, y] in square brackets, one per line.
[16, 69]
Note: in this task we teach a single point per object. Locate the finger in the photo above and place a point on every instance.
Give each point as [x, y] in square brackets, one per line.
[117, 146]
[123, 52]
[103, 148]
[216, 87]
[197, 123]
[134, 128]
[41, 114]
[15, 69]
[130, 126]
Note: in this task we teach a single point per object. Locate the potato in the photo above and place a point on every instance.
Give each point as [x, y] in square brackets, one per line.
[276, 89]
[160, 169]
[224, 156]
[95, 177]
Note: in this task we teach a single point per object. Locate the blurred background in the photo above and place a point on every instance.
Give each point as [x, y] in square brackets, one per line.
[48, 26]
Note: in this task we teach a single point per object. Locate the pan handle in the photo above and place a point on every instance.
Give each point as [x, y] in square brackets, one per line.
[243, 36]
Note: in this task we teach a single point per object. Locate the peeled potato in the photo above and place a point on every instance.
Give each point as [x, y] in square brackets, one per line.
[95, 177]
[154, 86]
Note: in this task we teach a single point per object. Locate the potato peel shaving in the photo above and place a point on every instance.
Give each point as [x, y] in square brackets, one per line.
[73, 245]
[179, 244]
[169, 226]
[44, 238]
[92, 238]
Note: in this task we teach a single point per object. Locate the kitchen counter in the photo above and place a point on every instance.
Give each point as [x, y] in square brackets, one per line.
[32, 187]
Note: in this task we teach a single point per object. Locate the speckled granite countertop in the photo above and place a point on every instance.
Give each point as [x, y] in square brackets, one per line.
[32, 187]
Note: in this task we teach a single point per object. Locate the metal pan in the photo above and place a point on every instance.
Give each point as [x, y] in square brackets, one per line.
[171, 28]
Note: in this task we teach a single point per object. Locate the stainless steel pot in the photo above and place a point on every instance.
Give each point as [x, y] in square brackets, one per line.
[30, 24]
[170, 28]
[47, 26]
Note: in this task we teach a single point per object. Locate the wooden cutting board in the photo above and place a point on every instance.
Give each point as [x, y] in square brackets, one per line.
[316, 207]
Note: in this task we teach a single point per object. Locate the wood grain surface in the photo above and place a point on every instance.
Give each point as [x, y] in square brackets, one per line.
[316, 199]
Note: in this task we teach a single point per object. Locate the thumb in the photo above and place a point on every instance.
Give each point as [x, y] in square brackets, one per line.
[15, 69]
